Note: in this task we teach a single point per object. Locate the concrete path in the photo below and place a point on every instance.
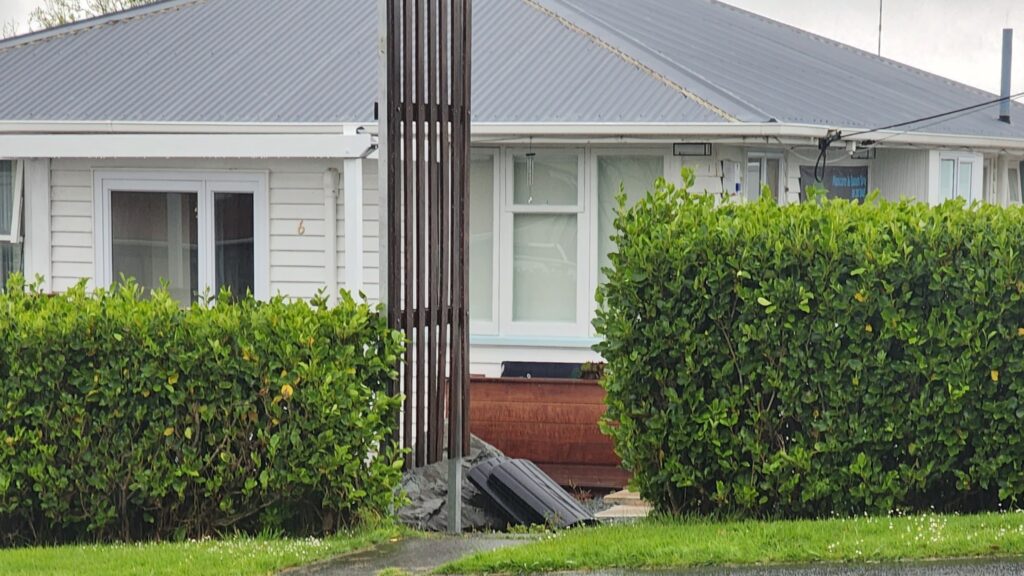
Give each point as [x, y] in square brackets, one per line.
[422, 555]
[961, 568]
[414, 555]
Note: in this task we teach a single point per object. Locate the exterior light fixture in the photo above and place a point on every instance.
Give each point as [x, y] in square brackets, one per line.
[691, 149]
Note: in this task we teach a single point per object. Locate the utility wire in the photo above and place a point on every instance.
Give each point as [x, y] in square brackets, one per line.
[936, 116]
[836, 136]
[914, 129]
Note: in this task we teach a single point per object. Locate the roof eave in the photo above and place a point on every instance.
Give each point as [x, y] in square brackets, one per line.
[118, 127]
[745, 131]
[552, 132]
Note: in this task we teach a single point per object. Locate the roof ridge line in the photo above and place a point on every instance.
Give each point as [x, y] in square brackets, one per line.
[668, 61]
[601, 43]
[849, 47]
[77, 27]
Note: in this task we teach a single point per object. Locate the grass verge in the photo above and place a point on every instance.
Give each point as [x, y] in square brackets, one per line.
[236, 556]
[679, 544]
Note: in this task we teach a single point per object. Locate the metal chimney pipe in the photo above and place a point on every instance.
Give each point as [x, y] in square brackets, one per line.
[1004, 105]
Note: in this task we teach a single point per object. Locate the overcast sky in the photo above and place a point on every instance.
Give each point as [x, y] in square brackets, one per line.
[959, 39]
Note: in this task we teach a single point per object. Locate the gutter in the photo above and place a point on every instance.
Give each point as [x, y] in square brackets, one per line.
[315, 139]
[795, 133]
[115, 127]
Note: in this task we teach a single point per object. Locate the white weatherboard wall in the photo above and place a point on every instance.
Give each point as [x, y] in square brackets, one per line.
[296, 224]
[901, 174]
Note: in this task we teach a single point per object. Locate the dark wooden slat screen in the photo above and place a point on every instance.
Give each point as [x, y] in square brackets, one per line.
[428, 118]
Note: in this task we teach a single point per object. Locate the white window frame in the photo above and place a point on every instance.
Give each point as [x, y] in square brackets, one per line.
[502, 328]
[977, 163]
[491, 327]
[509, 209]
[762, 157]
[593, 155]
[17, 193]
[1016, 192]
[205, 184]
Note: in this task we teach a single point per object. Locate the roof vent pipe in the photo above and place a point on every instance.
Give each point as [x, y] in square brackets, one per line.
[1004, 105]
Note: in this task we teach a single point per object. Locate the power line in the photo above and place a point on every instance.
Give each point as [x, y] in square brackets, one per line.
[937, 116]
[836, 136]
[916, 128]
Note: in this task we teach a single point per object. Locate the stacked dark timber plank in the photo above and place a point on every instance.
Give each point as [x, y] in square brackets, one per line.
[552, 422]
[428, 122]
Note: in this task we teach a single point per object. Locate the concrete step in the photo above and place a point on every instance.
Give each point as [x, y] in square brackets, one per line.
[623, 512]
[625, 497]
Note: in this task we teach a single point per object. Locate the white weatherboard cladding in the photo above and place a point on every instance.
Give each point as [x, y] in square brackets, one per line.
[296, 219]
[901, 174]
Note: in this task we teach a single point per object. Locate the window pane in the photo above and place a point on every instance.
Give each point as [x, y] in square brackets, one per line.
[964, 179]
[6, 195]
[772, 167]
[546, 179]
[544, 273]
[753, 180]
[481, 237]
[946, 171]
[10, 262]
[1015, 187]
[235, 257]
[154, 238]
[636, 174]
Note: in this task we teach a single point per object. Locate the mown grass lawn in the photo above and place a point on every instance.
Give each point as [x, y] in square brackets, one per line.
[679, 544]
[237, 556]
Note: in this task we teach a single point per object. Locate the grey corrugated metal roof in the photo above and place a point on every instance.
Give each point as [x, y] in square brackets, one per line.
[759, 69]
[198, 61]
[591, 61]
[527, 67]
[310, 61]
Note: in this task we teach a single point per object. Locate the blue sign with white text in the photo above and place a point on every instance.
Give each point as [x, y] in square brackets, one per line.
[849, 182]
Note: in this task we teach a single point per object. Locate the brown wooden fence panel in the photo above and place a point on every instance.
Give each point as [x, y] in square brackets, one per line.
[428, 119]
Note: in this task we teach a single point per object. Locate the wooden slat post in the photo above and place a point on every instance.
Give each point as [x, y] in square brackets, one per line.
[432, 201]
[444, 244]
[408, 137]
[428, 138]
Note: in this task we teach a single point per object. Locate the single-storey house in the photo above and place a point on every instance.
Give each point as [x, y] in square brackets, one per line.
[218, 143]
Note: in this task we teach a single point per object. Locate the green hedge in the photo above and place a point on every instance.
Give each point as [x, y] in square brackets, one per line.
[816, 359]
[124, 417]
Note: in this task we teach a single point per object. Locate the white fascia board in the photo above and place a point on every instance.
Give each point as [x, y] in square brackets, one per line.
[943, 141]
[184, 145]
[727, 132]
[114, 127]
